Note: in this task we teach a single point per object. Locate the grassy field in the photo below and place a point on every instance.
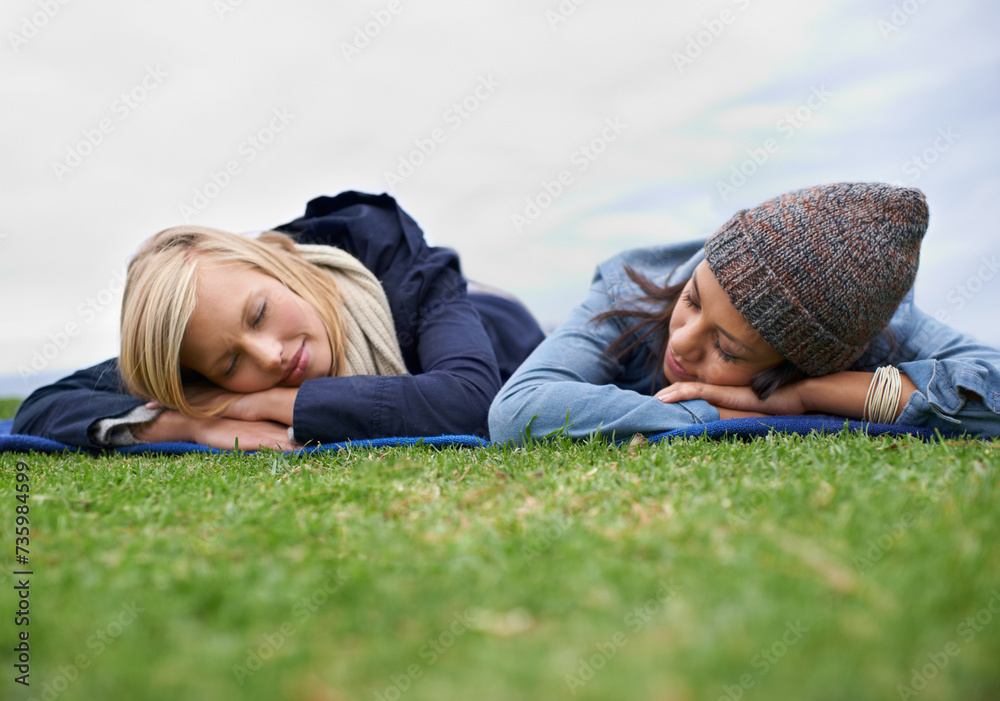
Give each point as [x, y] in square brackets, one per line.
[830, 567]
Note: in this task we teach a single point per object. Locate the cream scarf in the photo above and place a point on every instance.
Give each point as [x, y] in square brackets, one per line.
[369, 333]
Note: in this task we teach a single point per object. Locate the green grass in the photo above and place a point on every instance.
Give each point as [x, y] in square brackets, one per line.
[8, 407]
[807, 568]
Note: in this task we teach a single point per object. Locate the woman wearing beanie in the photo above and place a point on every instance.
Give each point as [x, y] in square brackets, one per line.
[343, 325]
[802, 304]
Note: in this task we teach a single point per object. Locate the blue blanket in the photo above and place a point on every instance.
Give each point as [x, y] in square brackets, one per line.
[742, 428]
[15, 442]
[801, 425]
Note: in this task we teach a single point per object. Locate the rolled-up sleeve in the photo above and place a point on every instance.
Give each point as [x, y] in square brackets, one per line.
[957, 378]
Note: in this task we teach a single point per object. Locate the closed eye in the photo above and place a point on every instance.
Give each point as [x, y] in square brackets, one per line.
[723, 355]
[260, 315]
[253, 324]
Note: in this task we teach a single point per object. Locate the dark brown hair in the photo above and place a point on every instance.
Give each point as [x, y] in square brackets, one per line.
[656, 322]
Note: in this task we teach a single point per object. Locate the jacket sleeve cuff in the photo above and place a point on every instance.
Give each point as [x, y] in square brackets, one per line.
[940, 391]
[701, 411]
[117, 431]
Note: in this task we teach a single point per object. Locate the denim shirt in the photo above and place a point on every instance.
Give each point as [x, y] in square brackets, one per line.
[569, 382]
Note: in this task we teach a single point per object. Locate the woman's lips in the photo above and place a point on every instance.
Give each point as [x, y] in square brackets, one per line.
[676, 368]
[297, 365]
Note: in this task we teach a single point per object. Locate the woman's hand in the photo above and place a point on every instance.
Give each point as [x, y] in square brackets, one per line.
[733, 402]
[228, 434]
[216, 432]
[276, 404]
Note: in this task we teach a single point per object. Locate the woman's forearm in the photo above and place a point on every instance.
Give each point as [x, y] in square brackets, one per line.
[843, 394]
[277, 404]
[169, 426]
[839, 394]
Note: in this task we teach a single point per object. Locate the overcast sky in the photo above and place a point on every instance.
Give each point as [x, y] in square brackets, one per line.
[536, 138]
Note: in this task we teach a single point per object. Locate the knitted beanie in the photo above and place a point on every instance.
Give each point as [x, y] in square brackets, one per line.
[819, 272]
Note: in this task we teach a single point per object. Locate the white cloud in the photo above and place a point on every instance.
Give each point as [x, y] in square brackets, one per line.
[687, 129]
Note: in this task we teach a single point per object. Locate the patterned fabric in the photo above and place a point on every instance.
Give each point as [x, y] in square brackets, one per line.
[819, 272]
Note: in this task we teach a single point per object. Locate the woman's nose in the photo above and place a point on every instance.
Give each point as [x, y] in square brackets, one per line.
[266, 352]
[684, 341]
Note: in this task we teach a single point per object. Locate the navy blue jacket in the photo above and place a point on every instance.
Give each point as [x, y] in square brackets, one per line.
[459, 348]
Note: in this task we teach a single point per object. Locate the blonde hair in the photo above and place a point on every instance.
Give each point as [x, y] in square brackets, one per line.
[160, 298]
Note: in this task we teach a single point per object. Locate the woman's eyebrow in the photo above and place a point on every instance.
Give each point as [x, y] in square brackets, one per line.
[736, 341]
[742, 346]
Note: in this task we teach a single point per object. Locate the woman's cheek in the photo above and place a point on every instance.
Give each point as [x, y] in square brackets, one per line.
[230, 385]
[728, 375]
[244, 384]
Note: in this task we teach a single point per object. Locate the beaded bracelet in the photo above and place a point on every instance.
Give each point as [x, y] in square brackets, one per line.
[883, 396]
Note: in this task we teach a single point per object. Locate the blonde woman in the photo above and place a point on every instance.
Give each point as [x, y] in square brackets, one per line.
[341, 325]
